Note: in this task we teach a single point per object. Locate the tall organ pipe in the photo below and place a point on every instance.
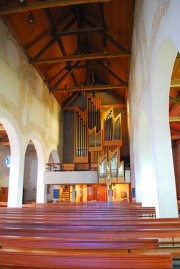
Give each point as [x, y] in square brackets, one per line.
[76, 134]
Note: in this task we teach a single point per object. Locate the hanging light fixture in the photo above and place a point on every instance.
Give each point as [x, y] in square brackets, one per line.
[21, 1]
[31, 18]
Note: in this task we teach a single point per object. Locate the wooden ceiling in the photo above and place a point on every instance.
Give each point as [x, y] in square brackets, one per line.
[79, 46]
[76, 45]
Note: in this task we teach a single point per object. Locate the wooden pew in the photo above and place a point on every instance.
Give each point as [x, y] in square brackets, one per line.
[22, 259]
[73, 244]
[79, 239]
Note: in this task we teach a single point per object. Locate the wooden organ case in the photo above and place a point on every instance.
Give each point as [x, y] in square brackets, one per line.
[97, 141]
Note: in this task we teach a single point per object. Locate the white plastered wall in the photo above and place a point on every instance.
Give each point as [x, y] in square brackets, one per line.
[28, 112]
[156, 41]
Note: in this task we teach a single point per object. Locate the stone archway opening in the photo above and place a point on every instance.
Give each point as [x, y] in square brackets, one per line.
[14, 178]
[52, 189]
[5, 164]
[30, 174]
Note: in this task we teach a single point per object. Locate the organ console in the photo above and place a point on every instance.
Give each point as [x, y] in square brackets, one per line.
[98, 138]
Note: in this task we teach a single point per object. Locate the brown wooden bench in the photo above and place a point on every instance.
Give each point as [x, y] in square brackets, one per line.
[22, 259]
[73, 244]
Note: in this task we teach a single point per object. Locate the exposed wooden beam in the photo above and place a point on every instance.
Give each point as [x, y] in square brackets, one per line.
[80, 57]
[90, 88]
[66, 74]
[4, 143]
[172, 119]
[120, 106]
[45, 4]
[175, 137]
[113, 41]
[111, 72]
[175, 83]
[175, 100]
[80, 31]
[53, 40]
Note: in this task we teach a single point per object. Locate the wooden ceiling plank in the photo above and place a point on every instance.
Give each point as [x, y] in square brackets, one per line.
[112, 40]
[57, 74]
[111, 72]
[70, 100]
[34, 41]
[65, 75]
[174, 129]
[44, 33]
[45, 4]
[52, 41]
[81, 57]
[115, 96]
[90, 88]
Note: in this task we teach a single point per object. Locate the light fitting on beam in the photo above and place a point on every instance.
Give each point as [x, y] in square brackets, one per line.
[31, 18]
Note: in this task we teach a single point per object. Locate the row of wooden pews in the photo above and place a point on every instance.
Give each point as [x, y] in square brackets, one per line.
[87, 235]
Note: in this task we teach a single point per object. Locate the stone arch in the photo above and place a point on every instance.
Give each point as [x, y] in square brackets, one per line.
[40, 190]
[53, 158]
[164, 168]
[16, 172]
[30, 174]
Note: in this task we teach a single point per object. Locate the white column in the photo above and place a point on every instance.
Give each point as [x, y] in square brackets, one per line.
[15, 190]
[73, 193]
[110, 193]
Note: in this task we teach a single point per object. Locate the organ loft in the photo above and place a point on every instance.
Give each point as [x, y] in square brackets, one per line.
[92, 166]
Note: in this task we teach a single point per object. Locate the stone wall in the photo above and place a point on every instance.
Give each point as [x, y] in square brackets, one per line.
[24, 94]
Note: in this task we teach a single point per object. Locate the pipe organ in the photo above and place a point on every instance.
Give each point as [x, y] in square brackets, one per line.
[112, 129]
[94, 124]
[98, 138]
[81, 150]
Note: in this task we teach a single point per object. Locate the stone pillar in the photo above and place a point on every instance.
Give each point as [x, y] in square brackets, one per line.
[110, 193]
[73, 193]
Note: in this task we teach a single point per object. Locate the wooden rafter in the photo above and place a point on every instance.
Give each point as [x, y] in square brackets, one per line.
[110, 71]
[175, 137]
[66, 74]
[80, 57]
[41, 35]
[45, 4]
[172, 119]
[53, 40]
[90, 88]
[112, 40]
[60, 43]
[80, 31]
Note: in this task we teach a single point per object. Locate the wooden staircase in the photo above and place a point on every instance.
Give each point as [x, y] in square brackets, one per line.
[65, 194]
